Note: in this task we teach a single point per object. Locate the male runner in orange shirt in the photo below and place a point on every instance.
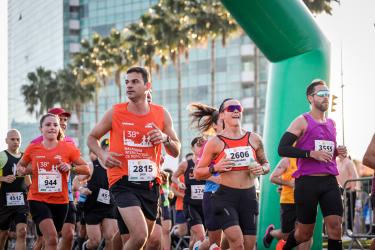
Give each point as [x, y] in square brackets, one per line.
[138, 130]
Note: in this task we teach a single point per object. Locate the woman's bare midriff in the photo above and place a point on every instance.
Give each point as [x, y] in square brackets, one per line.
[237, 179]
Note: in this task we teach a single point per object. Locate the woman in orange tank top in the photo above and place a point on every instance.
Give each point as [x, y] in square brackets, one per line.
[239, 156]
[51, 162]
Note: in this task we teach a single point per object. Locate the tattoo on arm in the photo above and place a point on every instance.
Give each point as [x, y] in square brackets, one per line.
[261, 156]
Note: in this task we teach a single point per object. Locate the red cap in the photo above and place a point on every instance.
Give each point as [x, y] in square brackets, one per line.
[59, 112]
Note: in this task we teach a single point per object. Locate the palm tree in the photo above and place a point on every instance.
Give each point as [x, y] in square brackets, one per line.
[170, 26]
[40, 94]
[142, 43]
[72, 95]
[210, 20]
[92, 66]
[318, 6]
[119, 56]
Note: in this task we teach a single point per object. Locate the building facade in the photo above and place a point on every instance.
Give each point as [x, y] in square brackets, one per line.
[236, 65]
[41, 34]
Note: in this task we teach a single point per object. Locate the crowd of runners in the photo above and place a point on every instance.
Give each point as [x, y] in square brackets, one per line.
[122, 199]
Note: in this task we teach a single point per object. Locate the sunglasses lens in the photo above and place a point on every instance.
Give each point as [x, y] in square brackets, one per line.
[323, 93]
[232, 108]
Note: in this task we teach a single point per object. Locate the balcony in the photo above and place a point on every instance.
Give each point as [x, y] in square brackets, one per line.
[74, 24]
[247, 102]
[74, 47]
[247, 50]
[247, 78]
[74, 3]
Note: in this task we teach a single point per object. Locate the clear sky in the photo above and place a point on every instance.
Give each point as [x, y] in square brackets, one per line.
[351, 27]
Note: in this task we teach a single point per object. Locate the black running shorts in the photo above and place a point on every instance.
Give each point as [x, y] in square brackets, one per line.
[236, 207]
[310, 191]
[209, 212]
[41, 211]
[288, 217]
[9, 214]
[193, 214]
[126, 195]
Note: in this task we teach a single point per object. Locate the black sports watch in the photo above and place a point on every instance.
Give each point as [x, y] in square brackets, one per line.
[211, 169]
[168, 140]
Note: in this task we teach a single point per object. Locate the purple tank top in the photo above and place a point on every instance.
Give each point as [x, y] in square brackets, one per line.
[318, 136]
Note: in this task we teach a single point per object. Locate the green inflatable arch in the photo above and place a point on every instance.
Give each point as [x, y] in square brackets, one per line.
[286, 33]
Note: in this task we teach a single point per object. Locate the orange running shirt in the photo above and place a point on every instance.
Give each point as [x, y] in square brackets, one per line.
[48, 183]
[179, 200]
[140, 160]
[287, 193]
[239, 151]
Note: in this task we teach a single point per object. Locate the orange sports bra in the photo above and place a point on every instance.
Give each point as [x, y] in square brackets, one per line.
[239, 151]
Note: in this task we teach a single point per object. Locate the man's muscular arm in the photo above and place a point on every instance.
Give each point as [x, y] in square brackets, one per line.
[369, 157]
[173, 146]
[101, 128]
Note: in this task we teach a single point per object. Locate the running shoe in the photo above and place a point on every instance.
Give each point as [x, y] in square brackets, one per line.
[196, 245]
[268, 238]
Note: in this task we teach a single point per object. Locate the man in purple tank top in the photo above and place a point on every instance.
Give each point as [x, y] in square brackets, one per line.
[315, 182]
[369, 161]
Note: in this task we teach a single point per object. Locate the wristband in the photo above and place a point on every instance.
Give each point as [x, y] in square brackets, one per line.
[211, 169]
[308, 154]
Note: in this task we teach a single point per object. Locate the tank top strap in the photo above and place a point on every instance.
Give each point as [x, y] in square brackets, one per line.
[247, 136]
[223, 139]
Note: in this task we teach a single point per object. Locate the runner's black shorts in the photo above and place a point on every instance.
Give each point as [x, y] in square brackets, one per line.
[80, 213]
[180, 217]
[9, 214]
[209, 212]
[288, 217]
[41, 211]
[237, 207]
[145, 195]
[310, 191]
[193, 214]
[72, 212]
[96, 216]
[166, 213]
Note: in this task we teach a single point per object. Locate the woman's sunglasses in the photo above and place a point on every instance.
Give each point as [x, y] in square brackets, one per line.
[232, 108]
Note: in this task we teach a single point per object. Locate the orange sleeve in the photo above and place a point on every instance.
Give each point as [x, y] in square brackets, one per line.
[27, 154]
[74, 153]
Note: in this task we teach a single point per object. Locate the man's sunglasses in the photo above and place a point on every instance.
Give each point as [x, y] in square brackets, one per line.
[232, 108]
[322, 93]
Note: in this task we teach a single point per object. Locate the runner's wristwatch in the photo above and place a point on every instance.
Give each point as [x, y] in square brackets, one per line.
[211, 169]
[264, 169]
[168, 140]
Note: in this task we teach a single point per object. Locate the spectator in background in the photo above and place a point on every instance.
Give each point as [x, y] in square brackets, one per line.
[362, 170]
[347, 171]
